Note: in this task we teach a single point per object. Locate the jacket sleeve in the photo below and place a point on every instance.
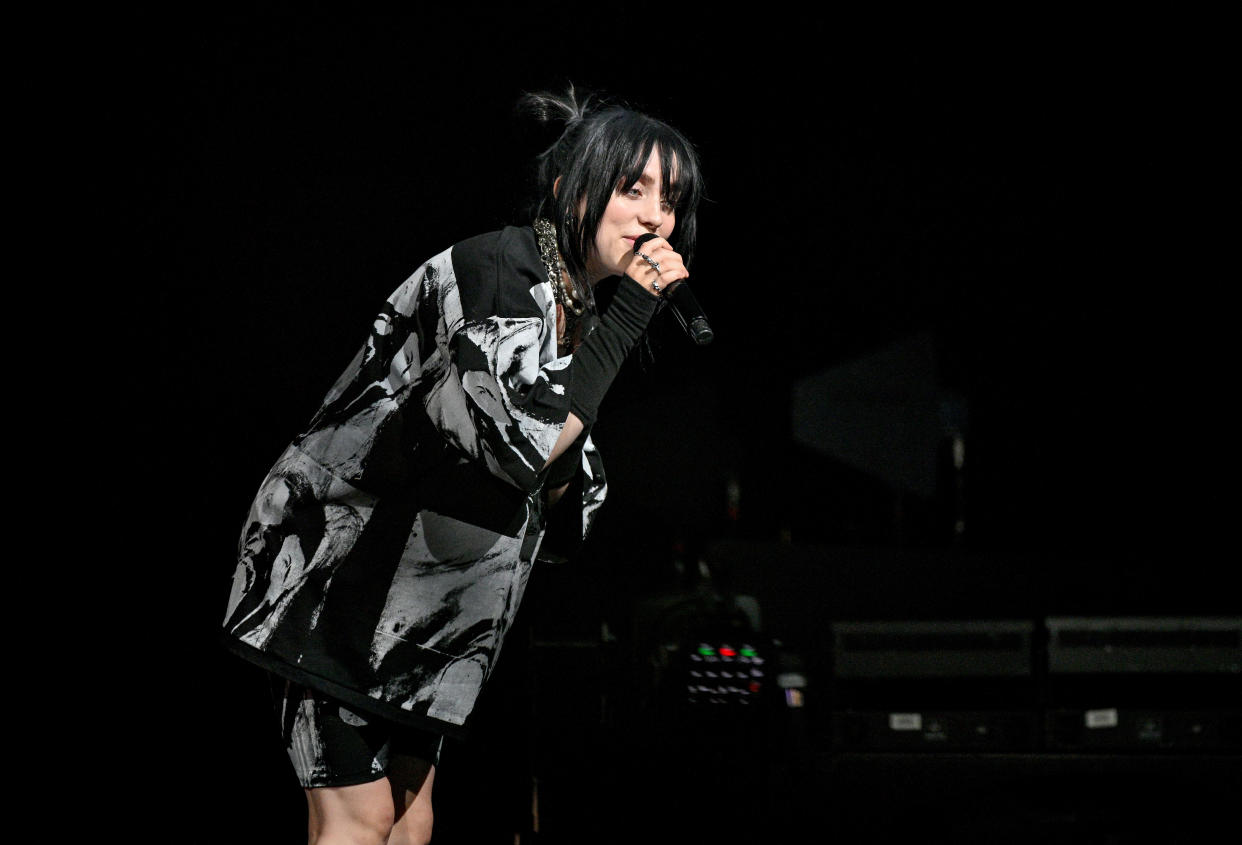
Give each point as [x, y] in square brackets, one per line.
[467, 346]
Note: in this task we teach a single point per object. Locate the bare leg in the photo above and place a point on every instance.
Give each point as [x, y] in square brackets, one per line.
[411, 779]
[350, 815]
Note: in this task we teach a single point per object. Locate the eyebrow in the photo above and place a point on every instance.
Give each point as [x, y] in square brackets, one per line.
[674, 188]
[646, 179]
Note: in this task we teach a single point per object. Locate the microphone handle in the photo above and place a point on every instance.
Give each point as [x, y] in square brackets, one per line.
[690, 314]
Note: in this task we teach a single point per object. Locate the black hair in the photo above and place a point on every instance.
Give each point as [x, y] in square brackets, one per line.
[602, 149]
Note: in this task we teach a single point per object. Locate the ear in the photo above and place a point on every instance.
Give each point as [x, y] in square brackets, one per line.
[556, 186]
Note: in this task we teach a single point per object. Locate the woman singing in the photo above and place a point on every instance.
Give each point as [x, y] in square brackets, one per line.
[387, 551]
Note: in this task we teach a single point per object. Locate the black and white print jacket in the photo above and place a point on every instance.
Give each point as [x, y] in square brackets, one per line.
[387, 551]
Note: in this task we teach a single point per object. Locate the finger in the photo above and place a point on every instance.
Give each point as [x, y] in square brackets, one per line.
[665, 258]
[672, 265]
[671, 262]
[668, 258]
[663, 254]
[660, 246]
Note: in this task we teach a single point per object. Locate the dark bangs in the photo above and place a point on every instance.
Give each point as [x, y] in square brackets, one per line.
[678, 182]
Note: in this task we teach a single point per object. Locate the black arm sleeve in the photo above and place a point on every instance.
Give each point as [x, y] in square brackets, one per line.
[600, 356]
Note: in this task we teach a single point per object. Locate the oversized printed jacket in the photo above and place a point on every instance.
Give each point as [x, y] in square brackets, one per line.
[385, 555]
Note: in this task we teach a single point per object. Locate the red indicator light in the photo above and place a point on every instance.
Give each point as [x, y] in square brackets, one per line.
[728, 652]
[754, 686]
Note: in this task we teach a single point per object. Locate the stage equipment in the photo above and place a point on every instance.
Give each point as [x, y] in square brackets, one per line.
[1144, 684]
[934, 685]
[720, 669]
[724, 674]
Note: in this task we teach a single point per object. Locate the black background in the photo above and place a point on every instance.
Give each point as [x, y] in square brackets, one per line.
[1046, 201]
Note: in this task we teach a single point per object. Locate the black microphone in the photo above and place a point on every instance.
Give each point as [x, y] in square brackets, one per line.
[686, 307]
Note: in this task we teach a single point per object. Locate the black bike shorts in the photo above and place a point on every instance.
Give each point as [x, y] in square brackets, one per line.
[331, 745]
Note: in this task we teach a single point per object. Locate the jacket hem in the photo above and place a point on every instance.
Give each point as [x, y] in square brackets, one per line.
[346, 695]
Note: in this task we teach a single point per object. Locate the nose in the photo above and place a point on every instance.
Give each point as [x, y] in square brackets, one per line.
[651, 213]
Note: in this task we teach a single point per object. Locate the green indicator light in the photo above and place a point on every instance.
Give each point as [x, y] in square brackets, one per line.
[706, 651]
[748, 652]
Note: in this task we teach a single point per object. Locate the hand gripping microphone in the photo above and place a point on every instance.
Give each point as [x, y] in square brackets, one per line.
[685, 307]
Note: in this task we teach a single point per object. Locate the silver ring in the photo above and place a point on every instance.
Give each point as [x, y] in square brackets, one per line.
[656, 285]
[654, 264]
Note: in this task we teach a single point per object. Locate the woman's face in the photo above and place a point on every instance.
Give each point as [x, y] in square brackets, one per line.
[633, 210]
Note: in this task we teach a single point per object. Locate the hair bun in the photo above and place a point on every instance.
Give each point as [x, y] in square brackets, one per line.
[567, 108]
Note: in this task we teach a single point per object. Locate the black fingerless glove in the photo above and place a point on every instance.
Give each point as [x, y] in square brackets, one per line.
[599, 357]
